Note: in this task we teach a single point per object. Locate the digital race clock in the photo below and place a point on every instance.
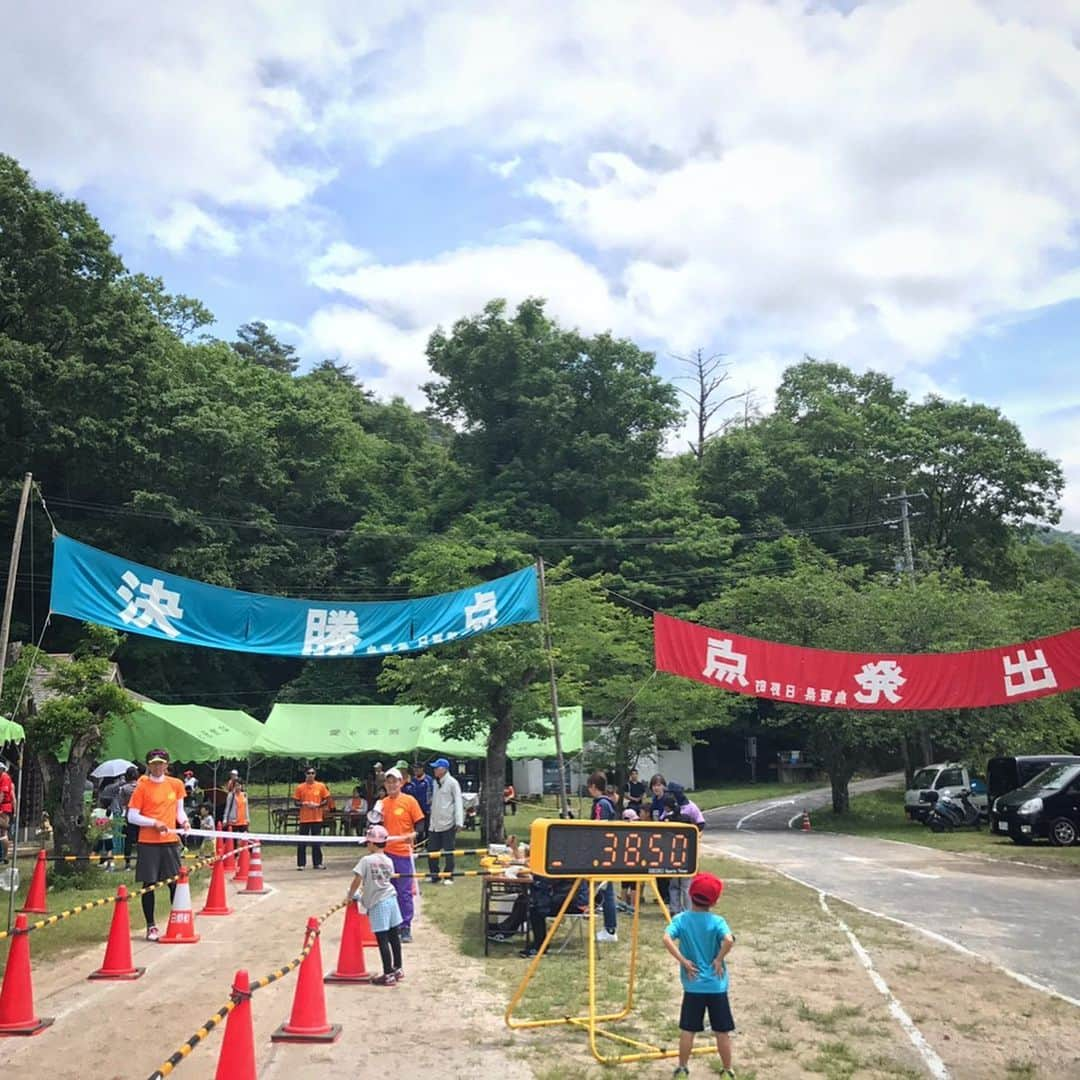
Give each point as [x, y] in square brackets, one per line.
[613, 849]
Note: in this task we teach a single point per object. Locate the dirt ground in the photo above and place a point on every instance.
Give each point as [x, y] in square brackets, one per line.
[439, 1016]
[804, 1004]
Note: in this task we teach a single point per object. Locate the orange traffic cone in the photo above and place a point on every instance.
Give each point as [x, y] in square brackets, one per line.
[117, 963]
[367, 935]
[243, 863]
[217, 902]
[17, 995]
[255, 885]
[350, 962]
[237, 1059]
[181, 928]
[806, 821]
[35, 895]
[307, 1022]
[230, 858]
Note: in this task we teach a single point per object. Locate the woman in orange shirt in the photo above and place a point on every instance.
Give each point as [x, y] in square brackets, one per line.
[157, 807]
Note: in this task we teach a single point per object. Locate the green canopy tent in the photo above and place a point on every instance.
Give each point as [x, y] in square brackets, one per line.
[329, 731]
[188, 732]
[10, 731]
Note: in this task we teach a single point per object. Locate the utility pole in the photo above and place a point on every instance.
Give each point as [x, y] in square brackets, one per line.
[564, 802]
[13, 570]
[909, 568]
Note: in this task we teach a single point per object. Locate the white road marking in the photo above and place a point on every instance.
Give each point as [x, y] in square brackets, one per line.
[914, 873]
[918, 1040]
[854, 858]
[763, 810]
[794, 817]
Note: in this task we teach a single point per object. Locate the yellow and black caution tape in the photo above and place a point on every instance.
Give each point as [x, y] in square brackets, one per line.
[52, 920]
[106, 858]
[236, 997]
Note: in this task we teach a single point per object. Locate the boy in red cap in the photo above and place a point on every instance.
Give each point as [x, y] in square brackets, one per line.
[700, 941]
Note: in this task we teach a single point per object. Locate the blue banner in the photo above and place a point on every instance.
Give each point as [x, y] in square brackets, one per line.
[98, 587]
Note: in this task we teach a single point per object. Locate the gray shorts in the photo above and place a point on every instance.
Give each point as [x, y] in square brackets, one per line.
[157, 862]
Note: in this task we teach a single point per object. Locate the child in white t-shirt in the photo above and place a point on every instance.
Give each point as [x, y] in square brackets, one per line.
[373, 880]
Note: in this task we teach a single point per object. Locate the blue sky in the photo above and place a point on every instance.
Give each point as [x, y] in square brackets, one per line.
[893, 184]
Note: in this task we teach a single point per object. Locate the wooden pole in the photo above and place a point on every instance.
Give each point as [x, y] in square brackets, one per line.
[564, 804]
[13, 570]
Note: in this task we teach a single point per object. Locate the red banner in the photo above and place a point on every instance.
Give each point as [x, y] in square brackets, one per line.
[843, 680]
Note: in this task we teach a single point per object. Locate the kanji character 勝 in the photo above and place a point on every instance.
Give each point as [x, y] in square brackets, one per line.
[331, 632]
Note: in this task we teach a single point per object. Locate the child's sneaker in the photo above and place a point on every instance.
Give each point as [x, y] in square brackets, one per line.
[399, 974]
[680, 1071]
[384, 980]
[153, 933]
[728, 1073]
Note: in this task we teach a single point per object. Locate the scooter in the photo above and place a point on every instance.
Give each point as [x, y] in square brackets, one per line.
[953, 812]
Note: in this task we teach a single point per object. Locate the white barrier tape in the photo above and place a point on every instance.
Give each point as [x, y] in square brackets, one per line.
[273, 838]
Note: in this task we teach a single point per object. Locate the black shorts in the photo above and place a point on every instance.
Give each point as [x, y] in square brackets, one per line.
[157, 862]
[692, 1015]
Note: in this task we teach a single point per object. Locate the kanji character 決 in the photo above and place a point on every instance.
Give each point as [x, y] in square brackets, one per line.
[148, 604]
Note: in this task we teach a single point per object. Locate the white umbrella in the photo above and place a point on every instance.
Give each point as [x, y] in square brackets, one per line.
[116, 766]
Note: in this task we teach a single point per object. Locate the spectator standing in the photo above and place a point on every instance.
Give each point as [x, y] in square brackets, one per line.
[700, 941]
[509, 800]
[157, 807]
[403, 820]
[7, 810]
[657, 785]
[603, 810]
[236, 809]
[310, 796]
[123, 798]
[635, 792]
[377, 775]
[421, 787]
[447, 816]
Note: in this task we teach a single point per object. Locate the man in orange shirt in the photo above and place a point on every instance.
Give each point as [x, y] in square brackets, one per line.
[310, 796]
[404, 821]
[157, 807]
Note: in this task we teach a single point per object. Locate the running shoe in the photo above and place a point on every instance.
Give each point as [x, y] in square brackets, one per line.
[399, 974]
[680, 1071]
[406, 937]
[153, 933]
[389, 979]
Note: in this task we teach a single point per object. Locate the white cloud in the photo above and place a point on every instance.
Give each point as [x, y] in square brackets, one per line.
[505, 169]
[188, 225]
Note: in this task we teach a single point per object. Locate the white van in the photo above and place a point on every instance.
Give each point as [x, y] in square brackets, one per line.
[950, 776]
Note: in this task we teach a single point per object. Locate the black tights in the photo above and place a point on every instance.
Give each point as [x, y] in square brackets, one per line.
[389, 948]
[148, 904]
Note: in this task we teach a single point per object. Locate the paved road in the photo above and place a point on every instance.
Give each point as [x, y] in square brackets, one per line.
[775, 813]
[1025, 919]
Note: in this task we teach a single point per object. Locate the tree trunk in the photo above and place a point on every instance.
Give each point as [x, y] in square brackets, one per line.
[495, 778]
[841, 800]
[905, 757]
[927, 746]
[623, 764]
[69, 828]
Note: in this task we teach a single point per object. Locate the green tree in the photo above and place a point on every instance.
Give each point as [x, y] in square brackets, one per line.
[555, 427]
[255, 342]
[65, 732]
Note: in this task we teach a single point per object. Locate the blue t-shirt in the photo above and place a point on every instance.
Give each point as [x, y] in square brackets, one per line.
[700, 935]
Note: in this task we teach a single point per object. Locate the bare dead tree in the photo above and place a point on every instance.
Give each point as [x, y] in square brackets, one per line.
[707, 376]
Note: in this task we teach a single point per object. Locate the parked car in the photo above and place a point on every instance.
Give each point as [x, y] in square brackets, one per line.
[1048, 805]
[952, 777]
[1005, 774]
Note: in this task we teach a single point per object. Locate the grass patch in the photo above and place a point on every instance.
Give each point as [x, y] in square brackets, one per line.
[881, 814]
[835, 1059]
[827, 1020]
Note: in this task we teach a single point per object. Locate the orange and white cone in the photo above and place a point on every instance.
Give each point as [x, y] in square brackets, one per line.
[243, 863]
[806, 821]
[181, 928]
[255, 886]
